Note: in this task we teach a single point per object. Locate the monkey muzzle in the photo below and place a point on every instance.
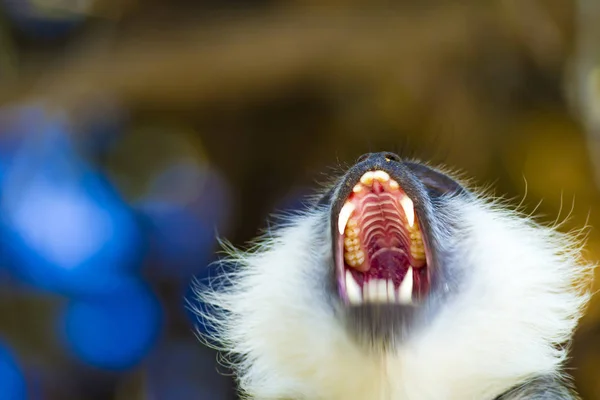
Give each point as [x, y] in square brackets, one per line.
[381, 252]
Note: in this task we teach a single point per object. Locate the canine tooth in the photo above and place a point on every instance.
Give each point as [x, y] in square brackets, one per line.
[406, 288]
[357, 188]
[352, 289]
[391, 294]
[367, 178]
[344, 216]
[394, 185]
[409, 209]
[381, 176]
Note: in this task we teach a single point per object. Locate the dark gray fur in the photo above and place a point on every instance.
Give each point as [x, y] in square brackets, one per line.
[542, 388]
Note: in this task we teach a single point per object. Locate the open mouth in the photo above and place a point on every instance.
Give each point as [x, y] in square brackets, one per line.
[381, 256]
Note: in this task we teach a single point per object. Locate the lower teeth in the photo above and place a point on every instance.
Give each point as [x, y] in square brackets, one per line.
[380, 290]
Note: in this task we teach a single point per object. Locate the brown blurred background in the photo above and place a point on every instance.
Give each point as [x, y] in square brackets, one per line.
[277, 95]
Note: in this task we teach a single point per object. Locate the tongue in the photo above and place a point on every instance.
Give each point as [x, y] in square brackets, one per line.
[389, 263]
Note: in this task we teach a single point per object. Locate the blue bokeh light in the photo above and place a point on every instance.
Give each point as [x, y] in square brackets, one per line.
[186, 206]
[12, 382]
[199, 188]
[182, 242]
[65, 228]
[115, 331]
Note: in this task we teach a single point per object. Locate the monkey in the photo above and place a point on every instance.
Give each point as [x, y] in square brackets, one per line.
[400, 280]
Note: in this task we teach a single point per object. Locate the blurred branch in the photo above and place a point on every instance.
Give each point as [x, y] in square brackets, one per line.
[541, 32]
[250, 55]
[8, 62]
[585, 77]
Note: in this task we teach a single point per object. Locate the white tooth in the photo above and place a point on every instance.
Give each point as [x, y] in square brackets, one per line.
[381, 290]
[409, 209]
[391, 295]
[372, 290]
[352, 289]
[367, 178]
[381, 176]
[344, 216]
[406, 288]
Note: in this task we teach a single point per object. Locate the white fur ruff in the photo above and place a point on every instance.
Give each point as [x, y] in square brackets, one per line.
[521, 301]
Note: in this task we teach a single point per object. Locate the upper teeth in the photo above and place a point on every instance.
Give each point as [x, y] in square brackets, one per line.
[367, 178]
[381, 176]
[380, 290]
[344, 216]
[409, 209]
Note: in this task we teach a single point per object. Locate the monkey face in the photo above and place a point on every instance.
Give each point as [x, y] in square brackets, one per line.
[397, 283]
[387, 222]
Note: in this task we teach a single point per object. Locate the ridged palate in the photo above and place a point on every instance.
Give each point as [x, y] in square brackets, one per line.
[382, 226]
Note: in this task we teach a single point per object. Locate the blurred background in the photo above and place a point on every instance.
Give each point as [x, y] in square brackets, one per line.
[132, 132]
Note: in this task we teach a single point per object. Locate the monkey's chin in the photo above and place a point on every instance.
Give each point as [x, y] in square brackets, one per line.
[380, 327]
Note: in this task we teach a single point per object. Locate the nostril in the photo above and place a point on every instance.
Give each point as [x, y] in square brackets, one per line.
[392, 157]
